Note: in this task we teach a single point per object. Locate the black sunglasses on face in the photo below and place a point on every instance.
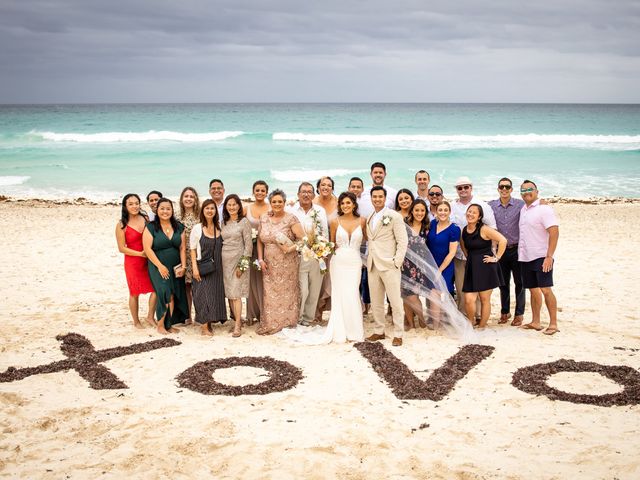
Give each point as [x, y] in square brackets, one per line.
[435, 194]
[504, 187]
[463, 187]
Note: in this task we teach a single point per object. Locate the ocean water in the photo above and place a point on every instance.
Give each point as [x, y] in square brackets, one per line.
[101, 152]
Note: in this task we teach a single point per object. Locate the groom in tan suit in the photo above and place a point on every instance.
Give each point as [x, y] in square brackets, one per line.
[387, 236]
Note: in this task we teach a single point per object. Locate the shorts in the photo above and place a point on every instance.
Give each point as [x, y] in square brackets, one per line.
[533, 276]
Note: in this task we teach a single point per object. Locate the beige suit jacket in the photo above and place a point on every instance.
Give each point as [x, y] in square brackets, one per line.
[387, 243]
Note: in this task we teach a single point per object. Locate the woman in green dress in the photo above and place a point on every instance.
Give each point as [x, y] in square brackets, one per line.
[164, 245]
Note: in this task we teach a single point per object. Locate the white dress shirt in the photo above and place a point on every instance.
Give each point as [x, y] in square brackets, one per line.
[305, 217]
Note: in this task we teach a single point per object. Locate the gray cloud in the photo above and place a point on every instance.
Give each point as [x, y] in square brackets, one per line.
[196, 50]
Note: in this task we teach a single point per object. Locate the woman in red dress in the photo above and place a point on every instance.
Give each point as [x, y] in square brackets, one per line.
[129, 236]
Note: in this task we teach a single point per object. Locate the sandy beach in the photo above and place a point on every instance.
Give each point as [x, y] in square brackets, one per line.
[61, 273]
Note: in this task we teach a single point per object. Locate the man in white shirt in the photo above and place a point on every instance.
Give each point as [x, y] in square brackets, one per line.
[313, 219]
[422, 179]
[216, 190]
[464, 187]
[378, 174]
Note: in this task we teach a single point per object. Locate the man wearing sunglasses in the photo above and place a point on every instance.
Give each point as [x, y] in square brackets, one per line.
[435, 197]
[539, 234]
[506, 210]
[464, 188]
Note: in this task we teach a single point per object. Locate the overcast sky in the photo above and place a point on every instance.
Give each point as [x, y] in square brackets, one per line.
[323, 51]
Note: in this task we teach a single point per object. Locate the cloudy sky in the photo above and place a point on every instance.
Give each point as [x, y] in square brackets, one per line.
[331, 51]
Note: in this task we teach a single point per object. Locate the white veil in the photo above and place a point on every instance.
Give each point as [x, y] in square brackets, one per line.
[441, 309]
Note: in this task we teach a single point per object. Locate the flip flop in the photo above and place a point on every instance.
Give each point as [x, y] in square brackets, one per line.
[528, 326]
[551, 331]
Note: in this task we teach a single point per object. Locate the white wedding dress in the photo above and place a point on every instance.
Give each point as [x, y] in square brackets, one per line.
[345, 322]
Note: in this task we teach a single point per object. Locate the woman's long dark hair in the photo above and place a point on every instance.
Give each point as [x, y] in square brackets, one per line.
[226, 216]
[124, 215]
[480, 216]
[424, 224]
[215, 220]
[174, 222]
[408, 192]
[353, 199]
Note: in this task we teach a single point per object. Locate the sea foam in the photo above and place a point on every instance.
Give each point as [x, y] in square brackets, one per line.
[310, 175]
[461, 142]
[13, 180]
[149, 136]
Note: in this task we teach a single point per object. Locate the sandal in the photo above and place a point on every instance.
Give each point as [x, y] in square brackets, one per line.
[551, 331]
[236, 333]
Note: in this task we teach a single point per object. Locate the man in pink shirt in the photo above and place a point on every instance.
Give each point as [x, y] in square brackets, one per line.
[538, 240]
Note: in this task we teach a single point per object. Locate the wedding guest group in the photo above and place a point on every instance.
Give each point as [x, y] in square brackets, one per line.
[325, 258]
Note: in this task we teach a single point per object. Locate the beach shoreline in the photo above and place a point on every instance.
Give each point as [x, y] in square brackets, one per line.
[62, 274]
[82, 201]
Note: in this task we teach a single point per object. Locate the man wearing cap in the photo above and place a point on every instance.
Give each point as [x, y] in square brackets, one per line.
[507, 212]
[464, 187]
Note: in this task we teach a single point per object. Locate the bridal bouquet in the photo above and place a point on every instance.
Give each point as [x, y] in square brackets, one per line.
[317, 248]
[254, 235]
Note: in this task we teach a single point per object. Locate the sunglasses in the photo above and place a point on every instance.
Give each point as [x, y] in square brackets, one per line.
[435, 194]
[463, 187]
[527, 190]
[504, 187]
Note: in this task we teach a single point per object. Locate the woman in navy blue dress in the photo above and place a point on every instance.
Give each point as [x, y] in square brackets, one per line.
[442, 240]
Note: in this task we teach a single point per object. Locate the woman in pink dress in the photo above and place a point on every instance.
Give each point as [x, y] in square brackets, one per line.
[279, 263]
[129, 237]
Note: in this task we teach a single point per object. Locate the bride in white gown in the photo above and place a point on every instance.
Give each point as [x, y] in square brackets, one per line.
[345, 322]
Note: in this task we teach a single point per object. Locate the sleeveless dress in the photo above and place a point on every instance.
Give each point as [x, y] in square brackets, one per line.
[479, 276]
[188, 221]
[254, 302]
[345, 321]
[281, 294]
[135, 268]
[168, 252]
[208, 294]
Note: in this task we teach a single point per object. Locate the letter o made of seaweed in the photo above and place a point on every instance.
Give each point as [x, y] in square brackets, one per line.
[533, 379]
[282, 376]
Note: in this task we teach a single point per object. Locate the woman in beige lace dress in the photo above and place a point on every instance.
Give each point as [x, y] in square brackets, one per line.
[237, 243]
[279, 262]
[189, 214]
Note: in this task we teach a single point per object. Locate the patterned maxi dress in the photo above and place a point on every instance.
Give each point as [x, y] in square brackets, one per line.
[281, 294]
[188, 221]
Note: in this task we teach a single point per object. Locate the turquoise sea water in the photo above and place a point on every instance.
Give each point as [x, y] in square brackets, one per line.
[103, 151]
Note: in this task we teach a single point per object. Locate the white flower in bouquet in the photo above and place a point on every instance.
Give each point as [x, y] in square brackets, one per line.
[254, 234]
[244, 263]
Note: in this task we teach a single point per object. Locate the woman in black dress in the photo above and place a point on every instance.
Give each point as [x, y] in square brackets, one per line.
[205, 244]
[482, 273]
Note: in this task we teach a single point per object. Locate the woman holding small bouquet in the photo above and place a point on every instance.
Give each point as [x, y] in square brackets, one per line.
[237, 247]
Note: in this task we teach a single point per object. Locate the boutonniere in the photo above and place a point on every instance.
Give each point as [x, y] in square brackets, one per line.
[386, 220]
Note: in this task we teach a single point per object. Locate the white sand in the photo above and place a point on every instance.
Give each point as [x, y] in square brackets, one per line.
[61, 272]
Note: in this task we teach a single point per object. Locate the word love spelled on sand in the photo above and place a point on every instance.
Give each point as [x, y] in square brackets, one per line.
[84, 359]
